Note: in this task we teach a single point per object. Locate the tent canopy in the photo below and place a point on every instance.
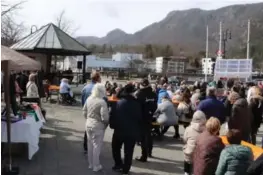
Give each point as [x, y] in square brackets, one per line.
[50, 39]
[18, 61]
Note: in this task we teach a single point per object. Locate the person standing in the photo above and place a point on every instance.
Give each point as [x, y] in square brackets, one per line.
[148, 100]
[22, 81]
[241, 116]
[255, 104]
[184, 109]
[191, 133]
[162, 92]
[208, 148]
[96, 112]
[212, 107]
[127, 129]
[86, 92]
[235, 159]
[31, 87]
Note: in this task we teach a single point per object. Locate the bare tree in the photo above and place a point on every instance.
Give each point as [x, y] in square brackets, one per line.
[9, 8]
[11, 31]
[64, 24]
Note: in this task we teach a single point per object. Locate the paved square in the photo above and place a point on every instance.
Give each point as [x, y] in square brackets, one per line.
[61, 149]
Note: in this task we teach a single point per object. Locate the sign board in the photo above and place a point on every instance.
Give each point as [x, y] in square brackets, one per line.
[233, 68]
[207, 66]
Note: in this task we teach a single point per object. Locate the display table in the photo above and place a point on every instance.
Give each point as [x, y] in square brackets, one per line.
[24, 131]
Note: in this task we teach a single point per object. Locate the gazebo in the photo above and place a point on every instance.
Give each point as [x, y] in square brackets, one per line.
[50, 40]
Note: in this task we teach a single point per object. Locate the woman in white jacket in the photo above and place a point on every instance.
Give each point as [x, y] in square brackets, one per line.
[31, 87]
[96, 112]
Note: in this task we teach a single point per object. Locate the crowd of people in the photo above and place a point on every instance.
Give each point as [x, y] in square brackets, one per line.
[144, 110]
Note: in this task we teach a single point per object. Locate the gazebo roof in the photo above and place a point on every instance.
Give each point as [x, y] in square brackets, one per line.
[50, 39]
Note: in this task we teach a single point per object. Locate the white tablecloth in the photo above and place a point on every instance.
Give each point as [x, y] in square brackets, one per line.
[25, 131]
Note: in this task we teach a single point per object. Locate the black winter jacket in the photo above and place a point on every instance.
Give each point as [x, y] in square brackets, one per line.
[148, 101]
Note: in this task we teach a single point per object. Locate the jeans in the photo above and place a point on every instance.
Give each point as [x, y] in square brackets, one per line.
[129, 144]
[95, 141]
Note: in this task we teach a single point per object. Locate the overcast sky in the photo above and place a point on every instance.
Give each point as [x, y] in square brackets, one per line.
[97, 17]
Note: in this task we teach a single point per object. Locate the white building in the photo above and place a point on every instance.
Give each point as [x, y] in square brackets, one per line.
[207, 66]
[170, 64]
[114, 62]
[126, 56]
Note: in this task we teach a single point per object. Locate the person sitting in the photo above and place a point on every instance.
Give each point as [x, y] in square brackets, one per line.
[235, 158]
[166, 115]
[65, 92]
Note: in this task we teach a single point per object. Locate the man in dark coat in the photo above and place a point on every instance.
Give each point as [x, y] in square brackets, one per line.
[212, 107]
[127, 129]
[256, 107]
[241, 116]
[148, 100]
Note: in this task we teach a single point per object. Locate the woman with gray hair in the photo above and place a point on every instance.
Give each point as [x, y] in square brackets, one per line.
[96, 112]
[31, 87]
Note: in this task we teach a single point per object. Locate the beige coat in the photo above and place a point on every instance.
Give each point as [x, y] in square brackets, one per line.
[182, 110]
[96, 112]
[191, 133]
[31, 89]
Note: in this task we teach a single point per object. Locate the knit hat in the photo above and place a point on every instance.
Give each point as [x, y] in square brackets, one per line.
[199, 117]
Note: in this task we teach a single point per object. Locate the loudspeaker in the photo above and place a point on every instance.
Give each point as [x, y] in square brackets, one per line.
[79, 65]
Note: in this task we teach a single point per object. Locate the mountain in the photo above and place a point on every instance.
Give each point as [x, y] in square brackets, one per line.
[116, 36]
[187, 29]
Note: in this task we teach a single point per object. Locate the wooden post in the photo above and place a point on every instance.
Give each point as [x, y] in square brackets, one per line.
[5, 68]
[84, 69]
[48, 63]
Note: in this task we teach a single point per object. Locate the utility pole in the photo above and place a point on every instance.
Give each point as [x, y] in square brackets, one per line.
[206, 55]
[220, 36]
[207, 35]
[248, 39]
